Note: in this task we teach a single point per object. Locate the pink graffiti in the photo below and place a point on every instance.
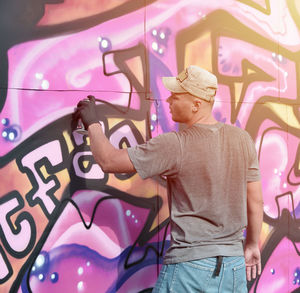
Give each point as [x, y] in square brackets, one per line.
[48, 77]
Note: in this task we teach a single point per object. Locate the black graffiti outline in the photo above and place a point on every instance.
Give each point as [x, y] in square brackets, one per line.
[43, 162]
[16, 227]
[31, 31]
[30, 144]
[124, 139]
[120, 57]
[222, 24]
[109, 110]
[284, 219]
[278, 233]
[147, 203]
[86, 158]
[74, 186]
[295, 168]
[8, 266]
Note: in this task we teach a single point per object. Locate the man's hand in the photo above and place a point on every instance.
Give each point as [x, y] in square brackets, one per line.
[86, 111]
[253, 261]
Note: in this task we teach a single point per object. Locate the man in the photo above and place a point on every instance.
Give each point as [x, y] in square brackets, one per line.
[213, 184]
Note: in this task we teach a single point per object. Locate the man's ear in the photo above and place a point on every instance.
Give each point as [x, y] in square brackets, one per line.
[196, 105]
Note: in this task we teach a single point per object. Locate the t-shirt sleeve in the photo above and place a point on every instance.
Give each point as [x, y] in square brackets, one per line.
[158, 156]
[253, 172]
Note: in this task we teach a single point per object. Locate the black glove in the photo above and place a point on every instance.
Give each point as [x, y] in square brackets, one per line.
[86, 111]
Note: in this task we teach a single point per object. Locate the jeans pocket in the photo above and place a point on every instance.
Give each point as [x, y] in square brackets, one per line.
[161, 278]
[195, 276]
[239, 278]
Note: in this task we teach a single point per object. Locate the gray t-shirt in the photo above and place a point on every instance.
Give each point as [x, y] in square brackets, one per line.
[207, 169]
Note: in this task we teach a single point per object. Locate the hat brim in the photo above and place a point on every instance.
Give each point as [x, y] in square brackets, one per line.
[173, 85]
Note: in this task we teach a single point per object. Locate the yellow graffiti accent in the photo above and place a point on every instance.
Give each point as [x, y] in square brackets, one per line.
[85, 164]
[124, 146]
[68, 141]
[113, 122]
[140, 125]
[285, 113]
[62, 176]
[266, 9]
[44, 172]
[64, 179]
[250, 71]
[265, 232]
[135, 65]
[238, 88]
[199, 52]
[297, 6]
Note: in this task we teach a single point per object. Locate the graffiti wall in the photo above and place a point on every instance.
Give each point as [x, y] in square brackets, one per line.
[65, 226]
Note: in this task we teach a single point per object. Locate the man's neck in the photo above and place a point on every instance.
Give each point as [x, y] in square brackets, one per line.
[203, 119]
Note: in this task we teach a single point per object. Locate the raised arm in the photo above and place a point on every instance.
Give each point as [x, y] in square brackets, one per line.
[110, 159]
[255, 218]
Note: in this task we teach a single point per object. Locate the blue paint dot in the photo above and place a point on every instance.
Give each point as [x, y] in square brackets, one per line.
[54, 277]
[238, 124]
[105, 45]
[296, 276]
[4, 133]
[236, 69]
[5, 121]
[41, 277]
[41, 265]
[12, 135]
[161, 36]
[272, 271]
[226, 67]
[218, 115]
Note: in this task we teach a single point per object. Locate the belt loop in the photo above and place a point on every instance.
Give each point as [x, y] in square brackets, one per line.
[219, 264]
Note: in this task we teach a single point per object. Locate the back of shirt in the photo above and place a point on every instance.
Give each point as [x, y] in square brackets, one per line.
[207, 169]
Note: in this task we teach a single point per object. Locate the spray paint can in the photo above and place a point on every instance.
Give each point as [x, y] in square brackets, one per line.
[80, 126]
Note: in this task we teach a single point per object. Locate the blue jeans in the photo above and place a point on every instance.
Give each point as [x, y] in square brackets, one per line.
[200, 276]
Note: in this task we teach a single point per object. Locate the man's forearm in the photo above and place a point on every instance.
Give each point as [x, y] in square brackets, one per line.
[101, 147]
[254, 212]
[110, 159]
[254, 225]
